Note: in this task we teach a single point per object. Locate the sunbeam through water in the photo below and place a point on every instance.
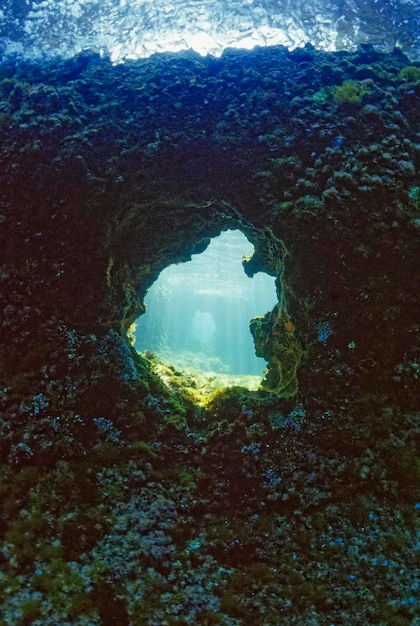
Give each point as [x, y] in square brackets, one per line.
[198, 312]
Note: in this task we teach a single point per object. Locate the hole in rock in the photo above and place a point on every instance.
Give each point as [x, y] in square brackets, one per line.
[198, 313]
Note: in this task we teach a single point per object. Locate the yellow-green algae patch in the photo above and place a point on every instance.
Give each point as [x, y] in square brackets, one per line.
[200, 386]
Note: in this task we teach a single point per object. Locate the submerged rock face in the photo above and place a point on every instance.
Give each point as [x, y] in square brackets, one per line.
[111, 173]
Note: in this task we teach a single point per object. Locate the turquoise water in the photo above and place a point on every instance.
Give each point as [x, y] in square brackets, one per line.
[198, 312]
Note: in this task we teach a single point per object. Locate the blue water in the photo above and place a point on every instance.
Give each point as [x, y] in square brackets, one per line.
[198, 312]
[127, 29]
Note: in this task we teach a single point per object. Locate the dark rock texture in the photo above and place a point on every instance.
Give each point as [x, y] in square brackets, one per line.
[108, 174]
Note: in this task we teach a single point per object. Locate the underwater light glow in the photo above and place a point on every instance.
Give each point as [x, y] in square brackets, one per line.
[129, 29]
[198, 312]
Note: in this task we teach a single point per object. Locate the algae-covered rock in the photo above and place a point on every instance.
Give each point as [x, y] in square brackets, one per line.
[138, 493]
[275, 341]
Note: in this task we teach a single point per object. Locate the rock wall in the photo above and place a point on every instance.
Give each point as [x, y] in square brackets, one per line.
[110, 173]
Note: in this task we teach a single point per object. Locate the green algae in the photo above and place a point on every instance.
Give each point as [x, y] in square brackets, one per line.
[349, 93]
[410, 74]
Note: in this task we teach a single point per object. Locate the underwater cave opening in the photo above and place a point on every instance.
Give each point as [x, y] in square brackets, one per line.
[198, 313]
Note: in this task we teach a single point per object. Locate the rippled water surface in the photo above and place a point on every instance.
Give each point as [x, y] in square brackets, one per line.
[138, 28]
